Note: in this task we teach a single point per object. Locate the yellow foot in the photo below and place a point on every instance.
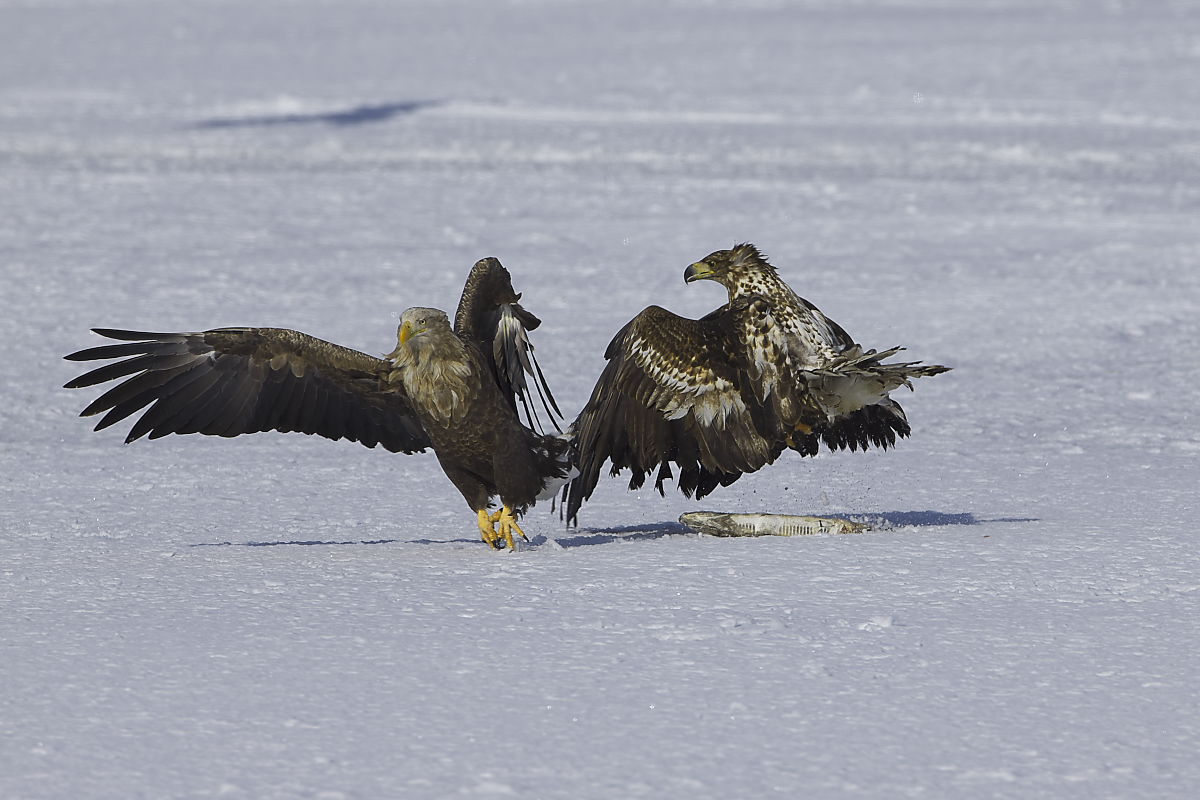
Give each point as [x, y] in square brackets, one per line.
[506, 520]
[487, 529]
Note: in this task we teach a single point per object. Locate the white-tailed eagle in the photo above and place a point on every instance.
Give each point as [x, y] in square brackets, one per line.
[726, 394]
[455, 390]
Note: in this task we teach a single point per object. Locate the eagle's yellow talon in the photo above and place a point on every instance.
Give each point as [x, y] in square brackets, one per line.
[507, 523]
[805, 429]
[487, 529]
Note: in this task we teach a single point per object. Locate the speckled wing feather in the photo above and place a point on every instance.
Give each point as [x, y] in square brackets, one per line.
[490, 315]
[826, 362]
[231, 381]
[670, 393]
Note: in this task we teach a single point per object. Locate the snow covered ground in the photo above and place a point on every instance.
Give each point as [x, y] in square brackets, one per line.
[1008, 187]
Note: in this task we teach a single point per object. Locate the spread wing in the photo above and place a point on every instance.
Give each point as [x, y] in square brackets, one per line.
[231, 381]
[489, 315]
[673, 391]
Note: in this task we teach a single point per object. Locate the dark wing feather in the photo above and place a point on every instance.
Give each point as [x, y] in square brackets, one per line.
[231, 381]
[490, 316]
[879, 425]
[673, 391]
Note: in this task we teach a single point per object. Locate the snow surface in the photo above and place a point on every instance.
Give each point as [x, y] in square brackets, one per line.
[1009, 187]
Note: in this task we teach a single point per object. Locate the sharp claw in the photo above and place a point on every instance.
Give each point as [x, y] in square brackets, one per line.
[507, 522]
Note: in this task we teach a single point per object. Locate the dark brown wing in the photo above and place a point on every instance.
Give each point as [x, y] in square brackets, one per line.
[231, 381]
[489, 315]
[673, 391]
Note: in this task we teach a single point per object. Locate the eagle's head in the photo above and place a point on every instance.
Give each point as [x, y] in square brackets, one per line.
[739, 270]
[433, 364]
[421, 329]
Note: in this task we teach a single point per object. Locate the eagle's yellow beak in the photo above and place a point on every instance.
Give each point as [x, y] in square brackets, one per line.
[406, 332]
[697, 272]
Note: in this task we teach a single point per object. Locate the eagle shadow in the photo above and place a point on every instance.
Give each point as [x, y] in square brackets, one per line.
[357, 115]
[885, 521]
[622, 533]
[295, 543]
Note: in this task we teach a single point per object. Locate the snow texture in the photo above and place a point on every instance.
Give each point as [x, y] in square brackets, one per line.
[1009, 187]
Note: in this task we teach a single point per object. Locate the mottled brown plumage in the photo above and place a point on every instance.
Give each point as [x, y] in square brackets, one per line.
[453, 390]
[727, 394]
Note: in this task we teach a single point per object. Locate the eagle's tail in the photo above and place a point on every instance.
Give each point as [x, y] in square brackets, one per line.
[853, 392]
[856, 380]
[856, 362]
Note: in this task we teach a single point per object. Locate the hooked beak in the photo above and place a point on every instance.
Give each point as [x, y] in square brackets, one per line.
[697, 272]
[405, 332]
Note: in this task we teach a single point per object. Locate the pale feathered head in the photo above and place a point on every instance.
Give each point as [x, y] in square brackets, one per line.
[420, 330]
[434, 365]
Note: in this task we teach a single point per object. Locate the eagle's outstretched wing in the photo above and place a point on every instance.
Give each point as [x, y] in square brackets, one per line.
[489, 315]
[230, 381]
[672, 391]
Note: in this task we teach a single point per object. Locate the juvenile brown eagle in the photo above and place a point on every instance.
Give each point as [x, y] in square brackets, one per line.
[728, 393]
[454, 390]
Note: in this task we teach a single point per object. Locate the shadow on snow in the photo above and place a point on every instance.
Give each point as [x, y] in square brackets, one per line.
[295, 543]
[625, 533]
[888, 520]
[357, 115]
[885, 521]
